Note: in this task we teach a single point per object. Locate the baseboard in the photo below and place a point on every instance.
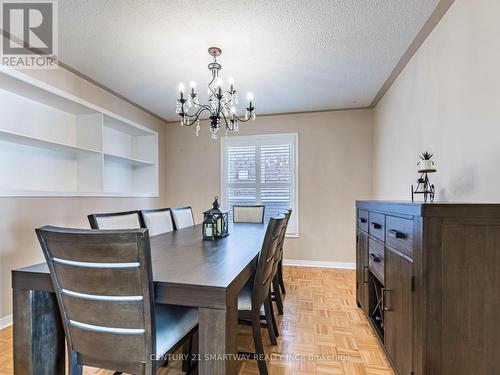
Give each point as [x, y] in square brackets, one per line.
[6, 321]
[320, 264]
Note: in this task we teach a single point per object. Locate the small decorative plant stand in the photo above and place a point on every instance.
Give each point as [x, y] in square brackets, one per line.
[424, 186]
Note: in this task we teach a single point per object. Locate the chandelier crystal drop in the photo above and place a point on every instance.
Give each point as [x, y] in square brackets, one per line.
[221, 104]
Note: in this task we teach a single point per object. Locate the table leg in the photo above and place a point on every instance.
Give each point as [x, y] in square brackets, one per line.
[217, 340]
[39, 347]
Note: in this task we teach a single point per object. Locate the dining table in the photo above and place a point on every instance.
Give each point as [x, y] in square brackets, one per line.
[187, 271]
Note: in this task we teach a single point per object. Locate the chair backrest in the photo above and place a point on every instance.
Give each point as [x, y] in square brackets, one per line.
[158, 221]
[279, 247]
[104, 288]
[265, 264]
[287, 214]
[116, 220]
[183, 217]
[248, 214]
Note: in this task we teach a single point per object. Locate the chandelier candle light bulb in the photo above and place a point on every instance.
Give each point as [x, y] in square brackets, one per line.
[220, 107]
[250, 98]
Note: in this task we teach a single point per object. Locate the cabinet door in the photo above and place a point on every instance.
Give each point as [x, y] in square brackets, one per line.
[362, 270]
[398, 311]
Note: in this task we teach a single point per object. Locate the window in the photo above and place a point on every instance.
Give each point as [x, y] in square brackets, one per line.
[261, 170]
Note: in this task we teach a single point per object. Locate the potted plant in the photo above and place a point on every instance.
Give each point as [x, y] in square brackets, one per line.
[421, 185]
[426, 164]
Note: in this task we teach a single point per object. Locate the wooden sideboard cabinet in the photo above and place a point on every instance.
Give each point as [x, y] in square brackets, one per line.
[428, 279]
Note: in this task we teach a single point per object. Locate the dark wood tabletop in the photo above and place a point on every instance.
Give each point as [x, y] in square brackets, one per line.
[186, 271]
[183, 257]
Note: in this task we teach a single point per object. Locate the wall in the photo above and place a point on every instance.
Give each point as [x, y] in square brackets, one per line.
[447, 101]
[20, 216]
[335, 150]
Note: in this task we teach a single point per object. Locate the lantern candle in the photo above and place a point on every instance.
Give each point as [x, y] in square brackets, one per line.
[215, 223]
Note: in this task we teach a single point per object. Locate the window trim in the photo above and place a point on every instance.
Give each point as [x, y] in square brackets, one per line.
[251, 140]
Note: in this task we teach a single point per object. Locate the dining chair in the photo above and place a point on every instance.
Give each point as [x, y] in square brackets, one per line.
[278, 267]
[116, 220]
[183, 217]
[157, 221]
[104, 289]
[256, 293]
[248, 214]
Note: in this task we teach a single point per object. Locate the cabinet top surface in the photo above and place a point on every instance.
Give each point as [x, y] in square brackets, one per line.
[435, 209]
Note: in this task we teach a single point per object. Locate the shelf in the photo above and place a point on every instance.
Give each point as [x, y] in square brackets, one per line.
[26, 140]
[123, 125]
[376, 308]
[92, 152]
[27, 87]
[127, 160]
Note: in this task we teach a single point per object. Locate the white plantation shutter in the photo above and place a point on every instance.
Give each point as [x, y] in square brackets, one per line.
[261, 170]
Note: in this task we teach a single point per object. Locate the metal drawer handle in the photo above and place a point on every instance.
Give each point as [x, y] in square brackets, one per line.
[396, 234]
[376, 225]
[375, 258]
[362, 219]
[384, 299]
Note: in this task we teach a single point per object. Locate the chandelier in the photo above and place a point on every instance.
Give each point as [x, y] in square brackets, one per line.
[221, 104]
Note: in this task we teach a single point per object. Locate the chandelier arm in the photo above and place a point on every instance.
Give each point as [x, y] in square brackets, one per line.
[204, 106]
[226, 103]
[242, 120]
[219, 102]
[201, 107]
[195, 116]
[225, 121]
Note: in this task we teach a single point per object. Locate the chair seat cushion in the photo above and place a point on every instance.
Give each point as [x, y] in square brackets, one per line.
[245, 298]
[172, 324]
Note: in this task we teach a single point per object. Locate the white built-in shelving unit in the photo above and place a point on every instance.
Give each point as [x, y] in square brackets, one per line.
[55, 144]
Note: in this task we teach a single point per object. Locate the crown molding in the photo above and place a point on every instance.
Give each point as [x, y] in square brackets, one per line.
[169, 122]
[109, 90]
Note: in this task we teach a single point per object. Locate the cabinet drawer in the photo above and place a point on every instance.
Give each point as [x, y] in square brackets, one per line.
[376, 262]
[377, 225]
[399, 234]
[363, 220]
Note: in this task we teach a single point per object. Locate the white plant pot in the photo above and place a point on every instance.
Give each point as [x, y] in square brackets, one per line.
[425, 165]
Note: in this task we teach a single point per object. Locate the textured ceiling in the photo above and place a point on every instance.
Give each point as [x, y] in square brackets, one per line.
[293, 55]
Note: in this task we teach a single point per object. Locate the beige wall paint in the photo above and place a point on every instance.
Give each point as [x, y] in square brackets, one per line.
[335, 151]
[447, 100]
[20, 216]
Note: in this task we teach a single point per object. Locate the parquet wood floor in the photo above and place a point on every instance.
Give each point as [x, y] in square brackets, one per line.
[322, 332]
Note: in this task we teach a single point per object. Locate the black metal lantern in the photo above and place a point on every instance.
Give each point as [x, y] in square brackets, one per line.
[215, 223]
